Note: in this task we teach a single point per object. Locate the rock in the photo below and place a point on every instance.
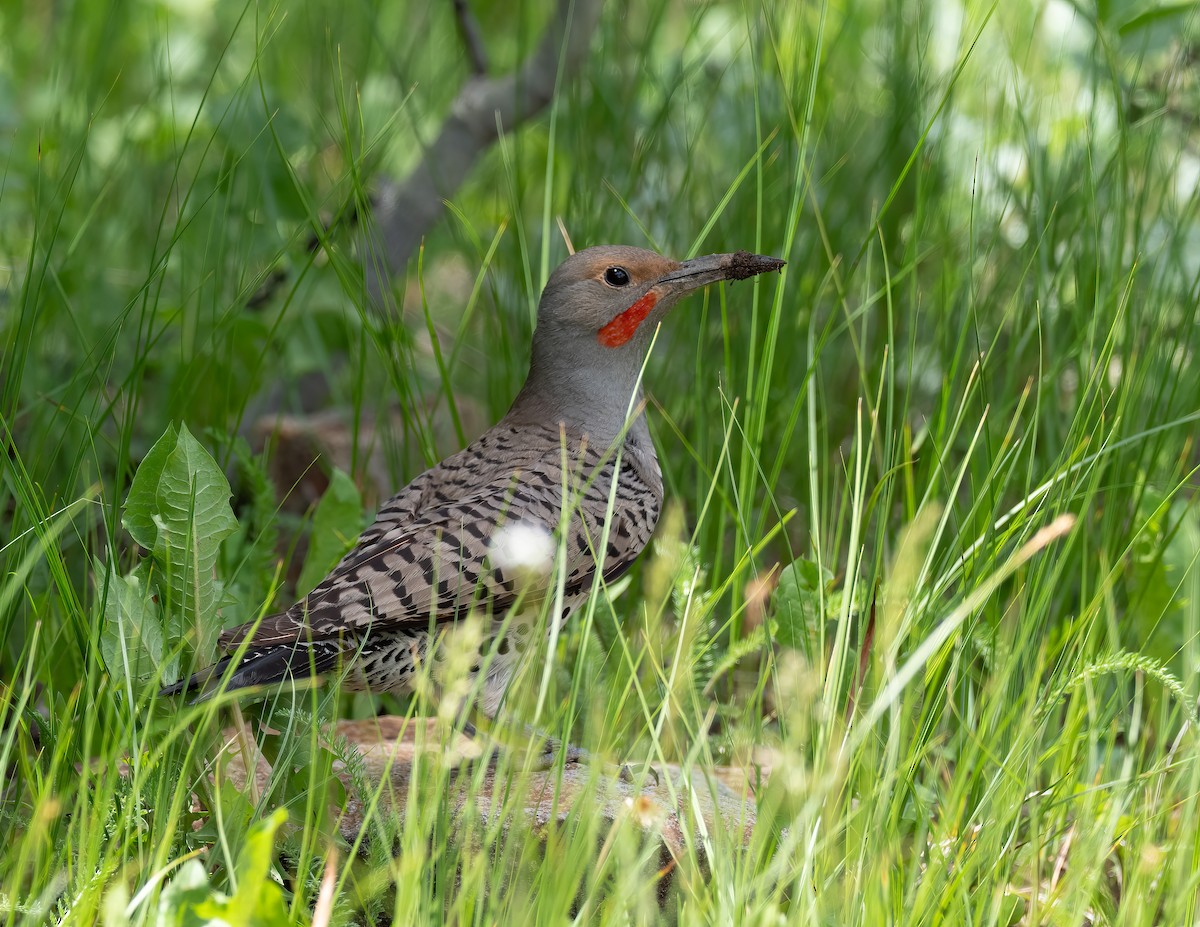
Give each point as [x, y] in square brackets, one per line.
[389, 744]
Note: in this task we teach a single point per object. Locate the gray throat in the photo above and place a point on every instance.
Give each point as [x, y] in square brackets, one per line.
[593, 394]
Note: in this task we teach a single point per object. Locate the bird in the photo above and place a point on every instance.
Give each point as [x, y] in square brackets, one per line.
[565, 485]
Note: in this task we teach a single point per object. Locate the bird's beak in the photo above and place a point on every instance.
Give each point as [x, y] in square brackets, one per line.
[701, 271]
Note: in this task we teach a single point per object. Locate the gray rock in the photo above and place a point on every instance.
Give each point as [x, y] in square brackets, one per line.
[717, 799]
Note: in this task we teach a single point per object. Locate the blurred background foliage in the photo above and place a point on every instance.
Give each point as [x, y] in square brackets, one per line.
[988, 318]
[974, 180]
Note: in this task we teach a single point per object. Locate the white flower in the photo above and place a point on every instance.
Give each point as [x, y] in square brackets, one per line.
[522, 547]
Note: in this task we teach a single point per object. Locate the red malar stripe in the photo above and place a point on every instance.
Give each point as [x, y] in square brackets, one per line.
[621, 329]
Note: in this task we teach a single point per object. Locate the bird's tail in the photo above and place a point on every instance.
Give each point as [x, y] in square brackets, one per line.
[263, 666]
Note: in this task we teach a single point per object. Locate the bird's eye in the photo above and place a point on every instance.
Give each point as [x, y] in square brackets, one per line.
[616, 276]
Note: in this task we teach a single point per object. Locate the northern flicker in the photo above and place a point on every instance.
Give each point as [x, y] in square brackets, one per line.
[482, 529]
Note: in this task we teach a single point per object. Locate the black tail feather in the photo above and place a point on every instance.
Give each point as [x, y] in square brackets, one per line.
[198, 680]
[261, 667]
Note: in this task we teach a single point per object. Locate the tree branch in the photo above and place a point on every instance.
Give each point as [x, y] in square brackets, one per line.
[403, 212]
[468, 28]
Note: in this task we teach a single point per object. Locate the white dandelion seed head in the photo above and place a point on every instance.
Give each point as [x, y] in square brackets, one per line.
[522, 547]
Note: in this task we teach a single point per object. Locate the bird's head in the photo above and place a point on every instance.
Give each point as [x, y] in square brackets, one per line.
[596, 319]
[614, 295]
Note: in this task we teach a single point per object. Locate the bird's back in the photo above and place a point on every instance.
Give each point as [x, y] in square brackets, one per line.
[446, 542]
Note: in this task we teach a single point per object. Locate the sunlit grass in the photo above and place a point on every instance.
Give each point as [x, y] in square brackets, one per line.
[957, 432]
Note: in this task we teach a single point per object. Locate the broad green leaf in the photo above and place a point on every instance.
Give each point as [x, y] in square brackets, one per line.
[258, 901]
[336, 525]
[177, 903]
[132, 643]
[254, 861]
[234, 821]
[1169, 17]
[178, 508]
[798, 604]
[141, 505]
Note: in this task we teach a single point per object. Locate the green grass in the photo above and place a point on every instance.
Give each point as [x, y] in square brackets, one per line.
[960, 429]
